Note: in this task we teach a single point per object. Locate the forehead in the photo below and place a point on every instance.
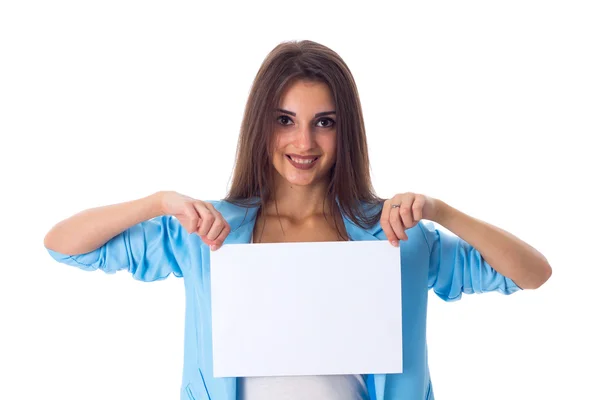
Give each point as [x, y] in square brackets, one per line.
[306, 95]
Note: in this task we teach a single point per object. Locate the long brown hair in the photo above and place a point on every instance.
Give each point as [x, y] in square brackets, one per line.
[350, 180]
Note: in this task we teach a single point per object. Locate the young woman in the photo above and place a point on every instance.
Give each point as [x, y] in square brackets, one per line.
[301, 174]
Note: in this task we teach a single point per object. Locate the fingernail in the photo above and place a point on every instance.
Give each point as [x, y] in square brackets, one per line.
[394, 243]
[213, 247]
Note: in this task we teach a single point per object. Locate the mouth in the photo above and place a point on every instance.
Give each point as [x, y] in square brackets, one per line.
[302, 162]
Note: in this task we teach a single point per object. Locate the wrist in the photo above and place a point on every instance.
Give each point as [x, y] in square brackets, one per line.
[442, 212]
[156, 203]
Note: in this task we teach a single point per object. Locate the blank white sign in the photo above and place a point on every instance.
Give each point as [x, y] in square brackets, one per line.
[319, 308]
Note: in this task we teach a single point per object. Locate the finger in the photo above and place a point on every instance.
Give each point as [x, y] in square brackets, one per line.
[385, 224]
[221, 238]
[206, 218]
[405, 212]
[418, 207]
[190, 222]
[215, 229]
[217, 226]
[396, 223]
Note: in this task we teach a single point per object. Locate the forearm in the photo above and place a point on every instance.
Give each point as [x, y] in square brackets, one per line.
[506, 253]
[90, 229]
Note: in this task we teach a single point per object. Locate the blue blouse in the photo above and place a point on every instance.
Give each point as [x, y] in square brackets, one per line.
[431, 259]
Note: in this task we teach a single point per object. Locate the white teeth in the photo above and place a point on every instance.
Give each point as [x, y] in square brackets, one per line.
[299, 161]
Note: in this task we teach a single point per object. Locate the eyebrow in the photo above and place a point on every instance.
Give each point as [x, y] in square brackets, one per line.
[316, 115]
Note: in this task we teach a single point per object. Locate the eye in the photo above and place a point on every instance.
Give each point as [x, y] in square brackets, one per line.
[331, 122]
[285, 118]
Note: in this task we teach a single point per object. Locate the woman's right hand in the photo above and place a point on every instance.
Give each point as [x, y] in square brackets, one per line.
[197, 216]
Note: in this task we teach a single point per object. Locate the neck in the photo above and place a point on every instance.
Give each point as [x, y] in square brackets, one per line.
[298, 202]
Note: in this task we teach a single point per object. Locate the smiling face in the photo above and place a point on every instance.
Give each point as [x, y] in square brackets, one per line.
[305, 134]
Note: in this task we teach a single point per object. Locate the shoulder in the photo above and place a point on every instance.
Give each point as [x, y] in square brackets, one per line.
[424, 229]
[234, 214]
[228, 208]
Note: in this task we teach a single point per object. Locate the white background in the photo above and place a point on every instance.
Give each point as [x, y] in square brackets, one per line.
[492, 107]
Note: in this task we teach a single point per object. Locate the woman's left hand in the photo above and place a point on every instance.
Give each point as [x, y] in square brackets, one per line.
[403, 211]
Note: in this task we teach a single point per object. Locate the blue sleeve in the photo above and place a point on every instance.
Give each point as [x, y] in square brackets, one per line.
[456, 267]
[148, 250]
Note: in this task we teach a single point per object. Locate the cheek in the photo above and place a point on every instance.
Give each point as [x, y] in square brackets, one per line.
[279, 143]
[329, 144]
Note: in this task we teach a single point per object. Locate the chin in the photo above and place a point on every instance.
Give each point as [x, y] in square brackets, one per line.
[293, 179]
[300, 182]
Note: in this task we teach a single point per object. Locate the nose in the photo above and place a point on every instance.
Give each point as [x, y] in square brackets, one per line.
[304, 137]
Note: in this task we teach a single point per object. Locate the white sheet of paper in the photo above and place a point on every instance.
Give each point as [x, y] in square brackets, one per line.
[319, 308]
